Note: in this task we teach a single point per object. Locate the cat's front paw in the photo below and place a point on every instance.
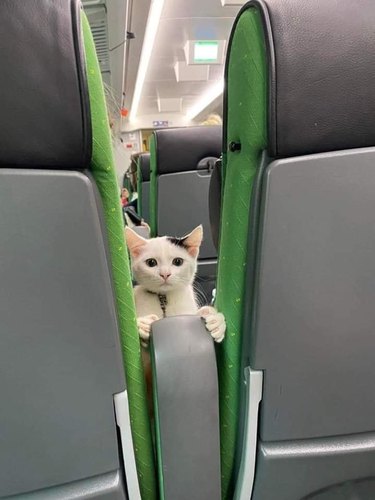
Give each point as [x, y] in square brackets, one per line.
[215, 322]
[144, 327]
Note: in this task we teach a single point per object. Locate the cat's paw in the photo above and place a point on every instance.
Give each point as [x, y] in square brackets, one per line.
[215, 322]
[144, 327]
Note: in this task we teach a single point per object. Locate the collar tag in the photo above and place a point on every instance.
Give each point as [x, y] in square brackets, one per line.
[162, 301]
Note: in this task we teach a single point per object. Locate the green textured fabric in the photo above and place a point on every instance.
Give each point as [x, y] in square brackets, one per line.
[246, 123]
[153, 188]
[104, 172]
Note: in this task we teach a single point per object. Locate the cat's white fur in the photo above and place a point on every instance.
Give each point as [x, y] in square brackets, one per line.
[170, 280]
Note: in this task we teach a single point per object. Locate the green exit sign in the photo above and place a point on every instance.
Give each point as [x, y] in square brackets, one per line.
[206, 52]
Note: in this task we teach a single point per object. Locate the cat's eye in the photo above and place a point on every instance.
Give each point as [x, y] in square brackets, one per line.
[151, 262]
[177, 261]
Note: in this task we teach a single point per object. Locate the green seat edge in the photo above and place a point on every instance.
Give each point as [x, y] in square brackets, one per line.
[103, 170]
[245, 121]
[153, 188]
[139, 186]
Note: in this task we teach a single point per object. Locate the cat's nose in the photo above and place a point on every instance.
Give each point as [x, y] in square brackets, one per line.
[165, 275]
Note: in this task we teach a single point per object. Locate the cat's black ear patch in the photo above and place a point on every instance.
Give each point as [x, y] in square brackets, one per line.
[180, 242]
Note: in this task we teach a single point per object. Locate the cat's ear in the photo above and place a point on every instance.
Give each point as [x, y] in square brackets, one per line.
[193, 240]
[134, 241]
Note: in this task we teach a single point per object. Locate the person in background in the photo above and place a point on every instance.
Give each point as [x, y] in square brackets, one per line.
[124, 197]
[133, 175]
[213, 119]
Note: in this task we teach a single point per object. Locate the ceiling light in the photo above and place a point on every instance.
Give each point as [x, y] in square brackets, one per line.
[206, 99]
[153, 20]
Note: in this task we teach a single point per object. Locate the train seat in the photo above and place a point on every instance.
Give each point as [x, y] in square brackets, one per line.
[67, 313]
[143, 185]
[296, 277]
[181, 165]
[74, 420]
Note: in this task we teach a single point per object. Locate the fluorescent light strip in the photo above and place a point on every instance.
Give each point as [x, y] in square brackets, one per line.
[206, 99]
[153, 20]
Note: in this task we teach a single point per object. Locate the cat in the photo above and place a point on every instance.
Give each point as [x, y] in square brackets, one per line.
[164, 269]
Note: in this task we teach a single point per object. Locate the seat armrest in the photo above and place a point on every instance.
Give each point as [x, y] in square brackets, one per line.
[186, 405]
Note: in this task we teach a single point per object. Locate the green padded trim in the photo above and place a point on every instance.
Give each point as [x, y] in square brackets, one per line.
[104, 172]
[139, 186]
[153, 188]
[246, 122]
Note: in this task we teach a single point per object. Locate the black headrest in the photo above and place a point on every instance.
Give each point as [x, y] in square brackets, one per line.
[44, 118]
[321, 57]
[144, 165]
[181, 149]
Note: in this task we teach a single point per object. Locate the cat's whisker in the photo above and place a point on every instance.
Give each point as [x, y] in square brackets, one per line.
[176, 260]
[199, 295]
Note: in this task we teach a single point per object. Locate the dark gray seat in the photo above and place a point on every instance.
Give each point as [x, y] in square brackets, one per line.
[309, 319]
[143, 182]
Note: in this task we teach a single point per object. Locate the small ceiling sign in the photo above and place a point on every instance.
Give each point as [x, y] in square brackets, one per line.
[204, 52]
[160, 123]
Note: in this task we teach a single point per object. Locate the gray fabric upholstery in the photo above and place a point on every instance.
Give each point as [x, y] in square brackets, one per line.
[60, 355]
[185, 383]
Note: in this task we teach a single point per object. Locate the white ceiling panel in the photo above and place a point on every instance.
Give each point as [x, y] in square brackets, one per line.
[160, 69]
[180, 21]
[173, 34]
[216, 72]
[197, 8]
[186, 73]
[170, 105]
[166, 89]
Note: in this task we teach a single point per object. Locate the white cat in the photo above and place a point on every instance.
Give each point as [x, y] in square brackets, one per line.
[164, 269]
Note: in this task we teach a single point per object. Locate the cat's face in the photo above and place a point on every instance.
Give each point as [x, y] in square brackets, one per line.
[164, 264]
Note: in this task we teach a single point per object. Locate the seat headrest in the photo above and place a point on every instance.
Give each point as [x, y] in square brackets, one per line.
[181, 149]
[144, 165]
[321, 58]
[45, 115]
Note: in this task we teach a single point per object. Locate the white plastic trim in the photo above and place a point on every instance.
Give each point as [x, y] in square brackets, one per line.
[123, 421]
[233, 2]
[245, 482]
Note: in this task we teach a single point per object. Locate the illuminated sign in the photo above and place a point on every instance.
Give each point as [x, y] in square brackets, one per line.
[159, 123]
[206, 52]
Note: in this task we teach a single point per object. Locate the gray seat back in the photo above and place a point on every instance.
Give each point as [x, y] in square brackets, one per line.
[60, 356]
[312, 334]
[311, 282]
